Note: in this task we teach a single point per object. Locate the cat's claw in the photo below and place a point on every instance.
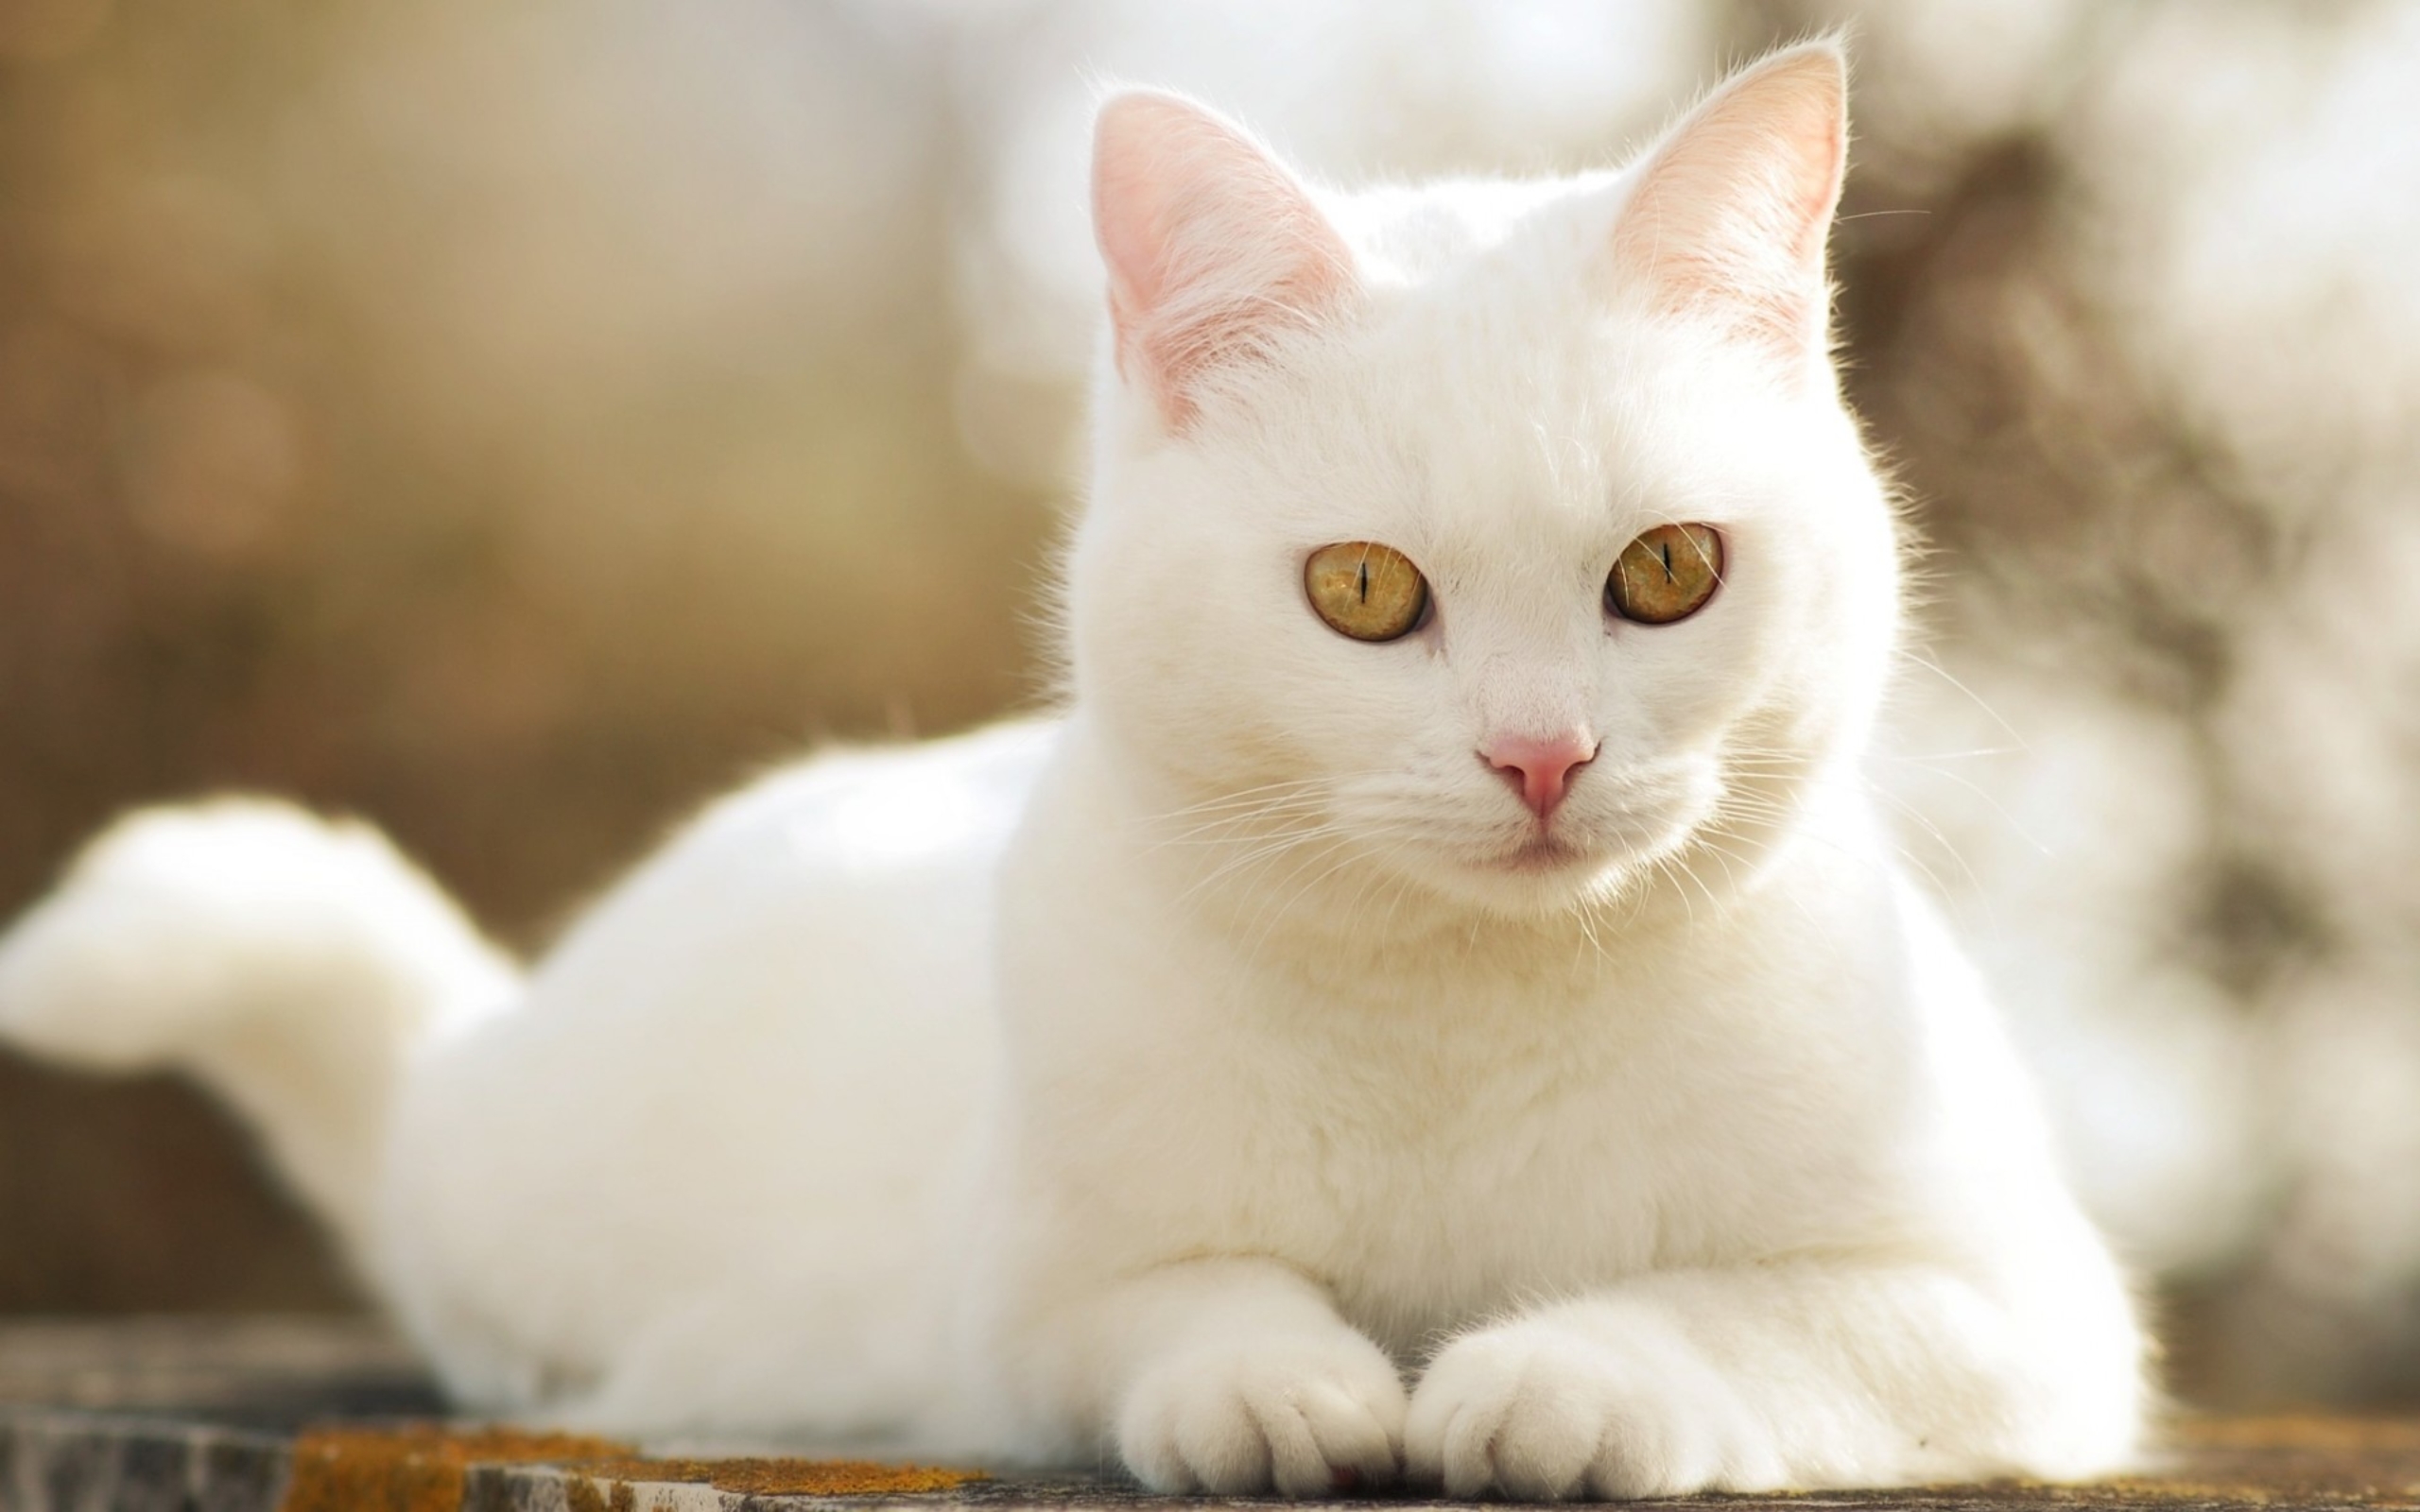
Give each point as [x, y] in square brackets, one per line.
[1532, 1413]
[1302, 1417]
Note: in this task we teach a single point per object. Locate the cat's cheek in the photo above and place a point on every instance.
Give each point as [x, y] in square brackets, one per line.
[1534, 1412]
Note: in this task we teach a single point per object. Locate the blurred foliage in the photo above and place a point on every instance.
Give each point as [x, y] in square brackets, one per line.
[393, 417]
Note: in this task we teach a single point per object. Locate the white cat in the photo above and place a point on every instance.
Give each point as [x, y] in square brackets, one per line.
[1436, 1005]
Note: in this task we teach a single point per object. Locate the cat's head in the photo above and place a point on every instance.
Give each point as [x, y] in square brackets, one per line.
[1507, 539]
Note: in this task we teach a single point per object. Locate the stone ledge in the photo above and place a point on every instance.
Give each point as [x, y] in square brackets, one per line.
[313, 1415]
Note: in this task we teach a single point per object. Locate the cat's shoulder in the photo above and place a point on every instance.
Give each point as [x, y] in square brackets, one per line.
[885, 794]
[847, 822]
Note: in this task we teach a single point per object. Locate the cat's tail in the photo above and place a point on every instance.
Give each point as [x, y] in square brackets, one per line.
[293, 964]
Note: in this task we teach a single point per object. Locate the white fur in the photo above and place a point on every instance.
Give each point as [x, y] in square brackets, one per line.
[297, 966]
[1194, 1075]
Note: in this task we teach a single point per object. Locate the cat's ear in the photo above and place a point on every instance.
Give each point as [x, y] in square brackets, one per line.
[1213, 246]
[1731, 210]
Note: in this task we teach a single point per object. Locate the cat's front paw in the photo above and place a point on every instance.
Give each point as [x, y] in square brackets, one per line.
[1304, 1415]
[1537, 1413]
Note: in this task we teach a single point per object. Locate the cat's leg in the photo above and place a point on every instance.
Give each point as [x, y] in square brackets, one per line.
[1797, 1375]
[1231, 1376]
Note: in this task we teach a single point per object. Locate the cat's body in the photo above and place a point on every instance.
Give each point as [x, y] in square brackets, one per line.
[1496, 1045]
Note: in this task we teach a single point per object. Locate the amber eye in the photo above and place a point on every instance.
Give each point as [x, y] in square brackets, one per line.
[1666, 574]
[1366, 590]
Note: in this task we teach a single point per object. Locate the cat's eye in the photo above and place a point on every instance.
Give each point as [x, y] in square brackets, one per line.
[1666, 574]
[1366, 590]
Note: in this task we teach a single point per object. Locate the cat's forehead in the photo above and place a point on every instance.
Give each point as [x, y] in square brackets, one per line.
[1490, 387]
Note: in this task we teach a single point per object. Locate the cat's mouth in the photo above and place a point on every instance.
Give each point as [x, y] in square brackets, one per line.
[1566, 852]
[1541, 854]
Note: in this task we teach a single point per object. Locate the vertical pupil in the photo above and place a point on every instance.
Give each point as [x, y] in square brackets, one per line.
[1365, 581]
[1666, 550]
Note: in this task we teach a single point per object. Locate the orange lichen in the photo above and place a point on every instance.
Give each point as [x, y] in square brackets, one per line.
[425, 1468]
[774, 1477]
[2244, 1464]
[583, 1496]
[418, 1467]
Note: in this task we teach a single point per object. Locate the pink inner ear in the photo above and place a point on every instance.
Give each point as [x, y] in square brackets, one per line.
[1213, 248]
[1730, 220]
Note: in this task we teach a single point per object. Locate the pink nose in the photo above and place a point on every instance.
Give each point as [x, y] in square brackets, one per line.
[1540, 768]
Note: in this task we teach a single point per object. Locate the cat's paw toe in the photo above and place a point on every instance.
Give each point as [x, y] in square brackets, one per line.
[1300, 1418]
[1534, 1414]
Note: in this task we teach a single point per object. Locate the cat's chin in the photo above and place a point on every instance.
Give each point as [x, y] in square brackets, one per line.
[1545, 855]
[1551, 872]
[1540, 876]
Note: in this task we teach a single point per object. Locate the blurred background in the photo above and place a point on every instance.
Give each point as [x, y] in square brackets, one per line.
[516, 423]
